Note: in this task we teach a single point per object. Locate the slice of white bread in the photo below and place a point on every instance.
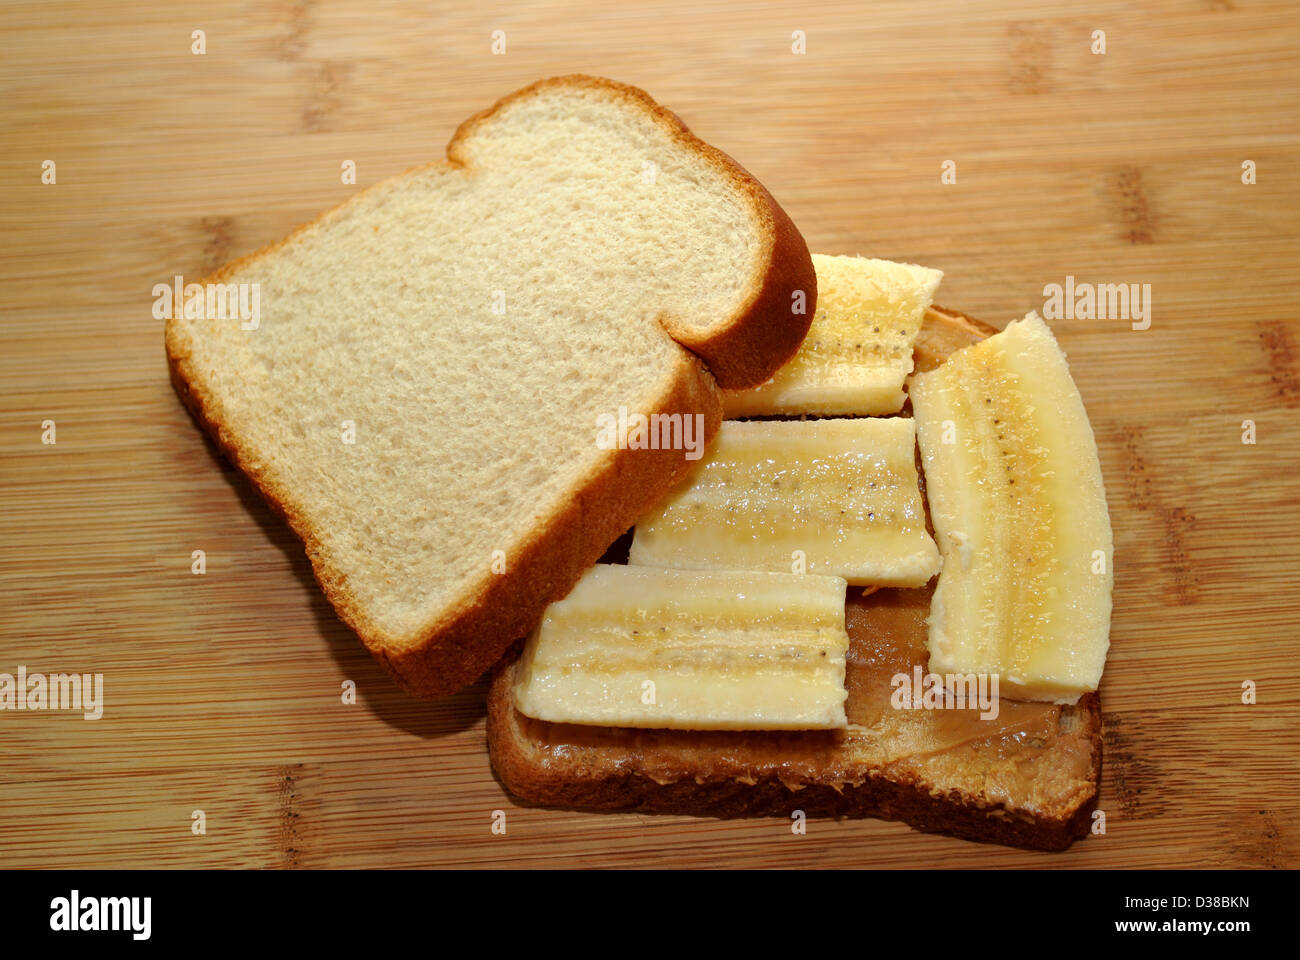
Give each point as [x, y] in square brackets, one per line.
[580, 251]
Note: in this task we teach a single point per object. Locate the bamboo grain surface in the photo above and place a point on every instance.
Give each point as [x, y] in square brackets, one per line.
[222, 691]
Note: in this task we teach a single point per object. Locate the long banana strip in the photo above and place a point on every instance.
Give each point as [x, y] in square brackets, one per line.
[834, 497]
[648, 647]
[1019, 509]
[858, 350]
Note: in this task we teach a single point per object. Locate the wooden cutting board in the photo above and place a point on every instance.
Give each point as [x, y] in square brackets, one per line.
[223, 691]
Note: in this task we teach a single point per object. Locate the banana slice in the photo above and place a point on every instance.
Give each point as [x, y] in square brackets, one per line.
[1019, 508]
[691, 650]
[858, 350]
[836, 497]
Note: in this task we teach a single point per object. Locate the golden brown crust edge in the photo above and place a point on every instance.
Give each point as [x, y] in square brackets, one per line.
[453, 652]
[918, 804]
[747, 354]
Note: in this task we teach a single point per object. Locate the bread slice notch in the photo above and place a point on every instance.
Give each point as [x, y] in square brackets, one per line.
[420, 397]
[1027, 778]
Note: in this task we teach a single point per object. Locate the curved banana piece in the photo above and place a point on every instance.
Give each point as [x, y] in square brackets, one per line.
[1019, 509]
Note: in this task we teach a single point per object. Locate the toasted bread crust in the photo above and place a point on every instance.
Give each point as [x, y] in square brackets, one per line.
[470, 635]
[590, 782]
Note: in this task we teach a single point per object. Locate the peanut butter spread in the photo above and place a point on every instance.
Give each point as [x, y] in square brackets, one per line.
[1033, 756]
